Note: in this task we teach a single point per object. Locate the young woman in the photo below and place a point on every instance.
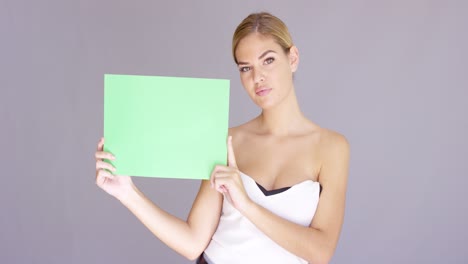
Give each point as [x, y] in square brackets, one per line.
[281, 198]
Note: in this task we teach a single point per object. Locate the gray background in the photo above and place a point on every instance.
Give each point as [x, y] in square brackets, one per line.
[389, 75]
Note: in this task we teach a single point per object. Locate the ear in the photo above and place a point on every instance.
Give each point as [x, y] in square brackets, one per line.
[293, 58]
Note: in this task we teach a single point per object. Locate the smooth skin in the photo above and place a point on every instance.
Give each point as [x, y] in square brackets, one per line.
[279, 148]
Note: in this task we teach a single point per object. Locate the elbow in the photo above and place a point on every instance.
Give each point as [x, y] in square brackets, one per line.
[192, 257]
[195, 248]
[193, 253]
[324, 256]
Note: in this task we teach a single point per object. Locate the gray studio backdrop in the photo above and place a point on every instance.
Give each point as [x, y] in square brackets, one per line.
[390, 75]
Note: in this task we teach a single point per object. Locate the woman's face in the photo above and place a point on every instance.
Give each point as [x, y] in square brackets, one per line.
[265, 69]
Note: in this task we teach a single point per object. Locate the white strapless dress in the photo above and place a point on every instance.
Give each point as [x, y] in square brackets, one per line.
[237, 240]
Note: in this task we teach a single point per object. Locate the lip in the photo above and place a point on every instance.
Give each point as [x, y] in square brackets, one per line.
[262, 91]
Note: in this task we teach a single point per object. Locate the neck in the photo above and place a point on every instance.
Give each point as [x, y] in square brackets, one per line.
[282, 119]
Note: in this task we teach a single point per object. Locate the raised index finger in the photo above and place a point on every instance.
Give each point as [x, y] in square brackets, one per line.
[231, 157]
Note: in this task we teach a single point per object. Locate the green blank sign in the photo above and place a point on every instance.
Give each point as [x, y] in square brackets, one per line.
[166, 127]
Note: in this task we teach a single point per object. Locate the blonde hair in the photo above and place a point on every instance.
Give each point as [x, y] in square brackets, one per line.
[265, 24]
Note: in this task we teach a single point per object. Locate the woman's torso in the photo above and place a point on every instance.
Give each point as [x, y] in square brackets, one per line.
[273, 162]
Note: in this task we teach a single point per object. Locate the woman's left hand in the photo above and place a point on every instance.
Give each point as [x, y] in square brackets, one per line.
[227, 181]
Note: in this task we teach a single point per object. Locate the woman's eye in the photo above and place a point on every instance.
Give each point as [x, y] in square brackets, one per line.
[244, 69]
[269, 60]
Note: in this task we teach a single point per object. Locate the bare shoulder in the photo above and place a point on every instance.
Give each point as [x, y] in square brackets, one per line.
[333, 141]
[335, 152]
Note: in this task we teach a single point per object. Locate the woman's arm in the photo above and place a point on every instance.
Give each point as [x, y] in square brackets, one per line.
[317, 242]
[188, 238]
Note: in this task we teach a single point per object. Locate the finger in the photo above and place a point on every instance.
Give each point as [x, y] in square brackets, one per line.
[217, 169]
[222, 179]
[231, 157]
[104, 165]
[104, 155]
[104, 173]
[102, 176]
[222, 188]
[212, 176]
[100, 144]
[227, 196]
[223, 182]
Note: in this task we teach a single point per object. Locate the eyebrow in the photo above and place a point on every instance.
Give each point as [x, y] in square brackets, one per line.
[261, 56]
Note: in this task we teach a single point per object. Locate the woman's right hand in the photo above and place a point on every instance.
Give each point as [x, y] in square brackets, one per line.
[115, 185]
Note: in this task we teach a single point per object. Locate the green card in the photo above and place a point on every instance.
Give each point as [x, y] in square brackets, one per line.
[167, 127]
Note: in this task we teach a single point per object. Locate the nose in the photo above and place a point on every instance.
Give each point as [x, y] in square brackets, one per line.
[258, 76]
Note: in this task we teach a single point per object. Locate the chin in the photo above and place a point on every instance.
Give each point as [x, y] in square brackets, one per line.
[265, 105]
